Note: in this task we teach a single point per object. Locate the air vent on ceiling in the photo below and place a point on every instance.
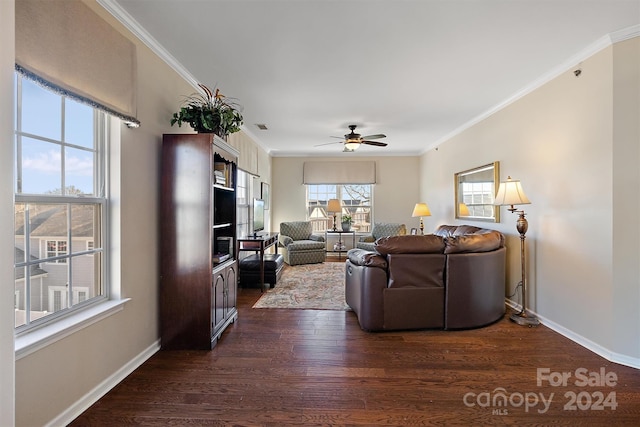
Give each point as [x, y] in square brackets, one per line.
[261, 126]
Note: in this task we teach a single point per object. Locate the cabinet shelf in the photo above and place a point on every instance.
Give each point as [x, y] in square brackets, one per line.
[224, 188]
[224, 225]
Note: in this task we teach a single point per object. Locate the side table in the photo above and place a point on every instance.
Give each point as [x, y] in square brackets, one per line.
[258, 244]
[340, 247]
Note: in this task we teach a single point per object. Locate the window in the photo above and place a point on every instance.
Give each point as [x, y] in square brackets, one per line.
[60, 204]
[56, 249]
[478, 196]
[354, 199]
[243, 203]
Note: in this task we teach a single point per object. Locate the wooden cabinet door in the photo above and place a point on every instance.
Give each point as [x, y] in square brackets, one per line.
[218, 301]
[232, 289]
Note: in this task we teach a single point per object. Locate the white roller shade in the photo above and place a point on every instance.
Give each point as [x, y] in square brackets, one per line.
[363, 172]
[67, 46]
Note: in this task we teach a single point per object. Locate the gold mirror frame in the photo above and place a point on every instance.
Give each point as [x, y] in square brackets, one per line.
[485, 180]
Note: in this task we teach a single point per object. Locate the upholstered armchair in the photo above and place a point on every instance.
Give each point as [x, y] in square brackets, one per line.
[301, 245]
[380, 229]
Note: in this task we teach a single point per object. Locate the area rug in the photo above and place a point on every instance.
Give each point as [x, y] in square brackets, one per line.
[309, 286]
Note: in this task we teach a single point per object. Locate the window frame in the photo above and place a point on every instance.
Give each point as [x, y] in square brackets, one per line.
[337, 193]
[99, 199]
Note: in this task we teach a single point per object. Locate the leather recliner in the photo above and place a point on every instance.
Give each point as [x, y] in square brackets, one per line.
[452, 279]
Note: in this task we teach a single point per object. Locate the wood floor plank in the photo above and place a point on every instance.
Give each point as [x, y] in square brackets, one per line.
[276, 367]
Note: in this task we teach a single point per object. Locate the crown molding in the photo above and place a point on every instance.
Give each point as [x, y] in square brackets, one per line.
[132, 25]
[625, 34]
[571, 62]
[137, 30]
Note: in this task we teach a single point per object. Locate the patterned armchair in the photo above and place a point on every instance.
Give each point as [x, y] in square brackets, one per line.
[380, 229]
[302, 246]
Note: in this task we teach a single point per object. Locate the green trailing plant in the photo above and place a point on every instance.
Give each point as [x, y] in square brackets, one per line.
[346, 218]
[209, 112]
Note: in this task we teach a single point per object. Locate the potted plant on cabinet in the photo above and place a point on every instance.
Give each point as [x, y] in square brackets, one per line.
[346, 222]
[209, 112]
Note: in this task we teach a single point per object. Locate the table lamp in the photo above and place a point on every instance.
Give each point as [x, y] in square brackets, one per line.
[334, 206]
[421, 209]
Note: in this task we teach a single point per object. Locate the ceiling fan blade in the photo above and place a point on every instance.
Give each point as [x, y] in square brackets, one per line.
[376, 143]
[328, 143]
[376, 136]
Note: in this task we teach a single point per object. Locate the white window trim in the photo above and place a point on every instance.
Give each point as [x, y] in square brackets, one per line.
[39, 338]
[33, 340]
[104, 129]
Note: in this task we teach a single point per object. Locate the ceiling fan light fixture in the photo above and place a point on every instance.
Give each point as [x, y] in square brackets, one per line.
[351, 145]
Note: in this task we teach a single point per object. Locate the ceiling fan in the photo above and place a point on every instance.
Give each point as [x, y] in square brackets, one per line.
[353, 140]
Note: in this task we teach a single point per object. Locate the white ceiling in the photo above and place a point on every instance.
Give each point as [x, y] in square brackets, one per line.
[417, 71]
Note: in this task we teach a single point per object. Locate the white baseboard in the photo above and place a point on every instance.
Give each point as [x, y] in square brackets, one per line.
[103, 388]
[584, 342]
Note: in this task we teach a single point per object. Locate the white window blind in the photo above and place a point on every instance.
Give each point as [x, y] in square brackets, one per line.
[362, 172]
[69, 48]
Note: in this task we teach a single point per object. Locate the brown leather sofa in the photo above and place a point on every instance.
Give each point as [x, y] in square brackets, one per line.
[452, 279]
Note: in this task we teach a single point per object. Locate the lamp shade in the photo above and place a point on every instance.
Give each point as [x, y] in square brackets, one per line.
[352, 145]
[421, 209]
[333, 205]
[463, 209]
[510, 193]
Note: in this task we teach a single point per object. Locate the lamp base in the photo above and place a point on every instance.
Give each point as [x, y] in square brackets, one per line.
[524, 319]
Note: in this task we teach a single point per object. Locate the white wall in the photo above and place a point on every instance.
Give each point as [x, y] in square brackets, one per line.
[626, 200]
[560, 141]
[394, 194]
[7, 41]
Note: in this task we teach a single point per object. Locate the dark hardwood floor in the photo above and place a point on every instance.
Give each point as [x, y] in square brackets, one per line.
[318, 368]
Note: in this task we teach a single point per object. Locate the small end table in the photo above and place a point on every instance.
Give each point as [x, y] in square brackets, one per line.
[341, 247]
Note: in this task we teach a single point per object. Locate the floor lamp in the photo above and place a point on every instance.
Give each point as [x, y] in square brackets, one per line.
[510, 193]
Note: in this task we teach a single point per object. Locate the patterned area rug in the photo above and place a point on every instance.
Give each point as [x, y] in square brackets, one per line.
[310, 286]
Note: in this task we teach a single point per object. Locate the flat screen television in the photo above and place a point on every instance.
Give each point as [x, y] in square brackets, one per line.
[258, 216]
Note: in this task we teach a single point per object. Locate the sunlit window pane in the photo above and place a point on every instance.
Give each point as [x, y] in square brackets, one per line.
[19, 242]
[78, 167]
[78, 128]
[83, 228]
[41, 167]
[19, 299]
[57, 293]
[41, 111]
[86, 277]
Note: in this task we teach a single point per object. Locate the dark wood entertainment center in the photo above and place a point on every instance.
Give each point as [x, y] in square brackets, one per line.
[198, 265]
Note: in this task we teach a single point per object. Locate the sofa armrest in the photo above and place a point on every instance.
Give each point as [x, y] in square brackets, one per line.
[367, 238]
[366, 258]
[316, 238]
[284, 241]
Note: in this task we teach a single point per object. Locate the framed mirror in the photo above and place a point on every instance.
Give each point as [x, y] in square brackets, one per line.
[475, 190]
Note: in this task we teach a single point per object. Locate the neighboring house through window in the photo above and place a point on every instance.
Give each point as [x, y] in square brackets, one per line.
[60, 204]
[355, 200]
